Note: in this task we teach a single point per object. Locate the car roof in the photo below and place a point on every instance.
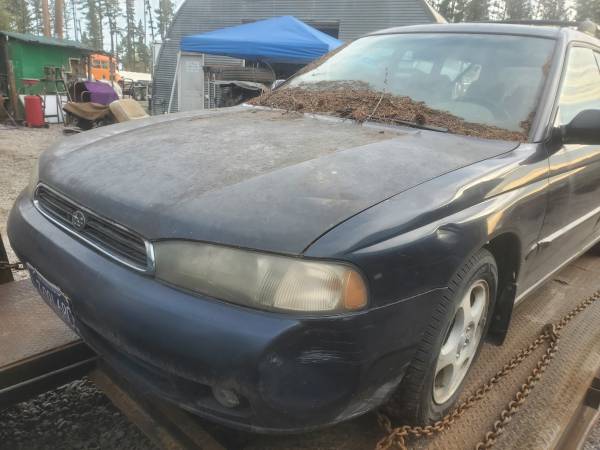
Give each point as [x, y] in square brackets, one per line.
[543, 31]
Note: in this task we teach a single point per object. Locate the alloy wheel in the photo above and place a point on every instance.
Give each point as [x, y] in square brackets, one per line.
[461, 341]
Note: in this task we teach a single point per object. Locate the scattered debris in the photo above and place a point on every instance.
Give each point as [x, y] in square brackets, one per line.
[355, 101]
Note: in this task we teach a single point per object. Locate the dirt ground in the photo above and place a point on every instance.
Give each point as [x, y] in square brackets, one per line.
[19, 149]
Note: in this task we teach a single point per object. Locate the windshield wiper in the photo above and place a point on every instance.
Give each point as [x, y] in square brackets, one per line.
[418, 125]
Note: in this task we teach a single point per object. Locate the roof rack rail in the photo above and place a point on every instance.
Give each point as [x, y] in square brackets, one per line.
[556, 23]
[587, 26]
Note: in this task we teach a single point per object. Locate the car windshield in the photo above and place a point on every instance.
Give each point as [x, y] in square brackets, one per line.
[485, 85]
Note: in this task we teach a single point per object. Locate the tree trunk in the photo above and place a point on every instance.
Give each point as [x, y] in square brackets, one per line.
[58, 18]
[46, 18]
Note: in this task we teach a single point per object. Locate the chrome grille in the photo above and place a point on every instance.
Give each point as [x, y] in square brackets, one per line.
[108, 237]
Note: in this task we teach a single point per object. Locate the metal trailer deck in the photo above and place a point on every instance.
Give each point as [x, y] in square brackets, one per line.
[38, 352]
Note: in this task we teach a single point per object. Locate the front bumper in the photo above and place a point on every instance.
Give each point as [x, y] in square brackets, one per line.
[291, 373]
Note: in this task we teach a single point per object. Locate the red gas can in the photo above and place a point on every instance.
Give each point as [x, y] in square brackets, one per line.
[34, 113]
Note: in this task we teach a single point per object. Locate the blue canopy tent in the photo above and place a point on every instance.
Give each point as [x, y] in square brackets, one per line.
[282, 39]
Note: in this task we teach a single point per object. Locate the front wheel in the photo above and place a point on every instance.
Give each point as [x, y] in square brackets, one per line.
[450, 344]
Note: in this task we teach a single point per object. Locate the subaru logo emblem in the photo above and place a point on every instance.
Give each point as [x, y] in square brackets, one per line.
[78, 220]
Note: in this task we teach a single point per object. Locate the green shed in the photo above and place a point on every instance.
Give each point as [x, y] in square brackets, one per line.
[31, 64]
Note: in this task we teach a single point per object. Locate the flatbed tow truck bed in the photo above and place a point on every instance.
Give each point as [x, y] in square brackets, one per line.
[39, 352]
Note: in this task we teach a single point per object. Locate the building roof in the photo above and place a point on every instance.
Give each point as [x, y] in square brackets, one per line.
[43, 40]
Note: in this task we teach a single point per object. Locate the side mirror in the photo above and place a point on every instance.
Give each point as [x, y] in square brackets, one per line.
[583, 129]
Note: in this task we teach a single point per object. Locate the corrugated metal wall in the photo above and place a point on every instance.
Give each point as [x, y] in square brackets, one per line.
[356, 18]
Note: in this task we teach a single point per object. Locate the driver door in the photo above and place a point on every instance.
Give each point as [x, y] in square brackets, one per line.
[571, 222]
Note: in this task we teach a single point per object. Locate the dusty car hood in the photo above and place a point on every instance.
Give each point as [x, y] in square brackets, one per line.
[252, 178]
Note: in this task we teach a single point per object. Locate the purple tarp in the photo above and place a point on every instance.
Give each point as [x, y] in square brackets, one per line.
[100, 92]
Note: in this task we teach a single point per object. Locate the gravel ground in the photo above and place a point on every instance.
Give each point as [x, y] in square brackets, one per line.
[77, 415]
[74, 416]
[593, 439]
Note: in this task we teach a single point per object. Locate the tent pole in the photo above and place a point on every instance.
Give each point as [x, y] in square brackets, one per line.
[174, 82]
[270, 67]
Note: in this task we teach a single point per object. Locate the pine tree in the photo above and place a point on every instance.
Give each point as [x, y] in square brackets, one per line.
[4, 16]
[477, 11]
[93, 35]
[588, 9]
[112, 12]
[36, 8]
[130, 31]
[141, 49]
[453, 10]
[19, 16]
[445, 8]
[518, 9]
[126, 57]
[497, 10]
[460, 12]
[100, 14]
[52, 11]
[552, 10]
[76, 22]
[67, 19]
[149, 18]
[52, 6]
[164, 16]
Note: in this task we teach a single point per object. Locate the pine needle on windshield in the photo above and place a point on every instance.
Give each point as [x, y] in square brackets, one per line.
[355, 101]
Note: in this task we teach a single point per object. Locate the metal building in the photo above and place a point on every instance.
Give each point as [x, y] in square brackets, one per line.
[343, 19]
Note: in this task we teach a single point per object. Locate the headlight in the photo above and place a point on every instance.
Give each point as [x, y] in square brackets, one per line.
[258, 279]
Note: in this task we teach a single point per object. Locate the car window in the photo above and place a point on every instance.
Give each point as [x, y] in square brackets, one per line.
[493, 80]
[581, 86]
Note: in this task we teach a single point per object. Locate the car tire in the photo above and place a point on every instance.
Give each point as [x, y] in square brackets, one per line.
[428, 390]
[595, 249]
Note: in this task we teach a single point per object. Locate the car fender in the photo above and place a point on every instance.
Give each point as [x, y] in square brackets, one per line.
[416, 241]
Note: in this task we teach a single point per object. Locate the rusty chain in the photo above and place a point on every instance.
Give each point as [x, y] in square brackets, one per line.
[4, 265]
[550, 334]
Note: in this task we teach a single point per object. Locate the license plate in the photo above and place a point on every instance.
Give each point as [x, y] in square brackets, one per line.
[53, 296]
